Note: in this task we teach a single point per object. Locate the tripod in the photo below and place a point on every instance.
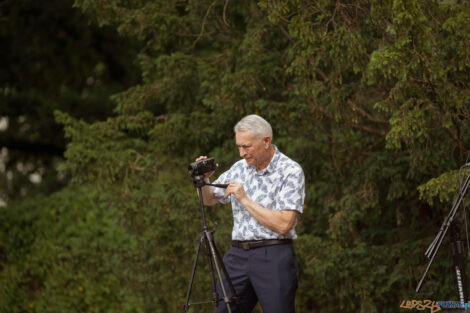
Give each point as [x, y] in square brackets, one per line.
[207, 243]
[456, 245]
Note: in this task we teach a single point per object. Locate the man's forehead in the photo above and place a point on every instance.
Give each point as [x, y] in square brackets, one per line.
[242, 137]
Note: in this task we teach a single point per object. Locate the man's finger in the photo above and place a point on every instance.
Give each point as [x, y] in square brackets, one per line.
[228, 191]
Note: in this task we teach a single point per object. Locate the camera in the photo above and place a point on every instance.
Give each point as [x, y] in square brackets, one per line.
[201, 167]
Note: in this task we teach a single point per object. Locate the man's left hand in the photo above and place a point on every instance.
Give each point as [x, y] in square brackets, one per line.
[236, 189]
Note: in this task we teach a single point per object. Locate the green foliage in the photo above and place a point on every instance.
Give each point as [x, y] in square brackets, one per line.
[53, 59]
[446, 186]
[371, 98]
[111, 249]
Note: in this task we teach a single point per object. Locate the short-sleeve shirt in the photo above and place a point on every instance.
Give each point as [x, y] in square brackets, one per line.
[280, 186]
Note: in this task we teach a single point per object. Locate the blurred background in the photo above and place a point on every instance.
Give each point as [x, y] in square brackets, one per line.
[103, 104]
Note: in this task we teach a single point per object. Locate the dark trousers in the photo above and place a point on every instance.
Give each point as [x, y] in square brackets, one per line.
[266, 274]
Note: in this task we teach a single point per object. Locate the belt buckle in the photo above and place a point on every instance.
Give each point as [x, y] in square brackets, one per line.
[245, 245]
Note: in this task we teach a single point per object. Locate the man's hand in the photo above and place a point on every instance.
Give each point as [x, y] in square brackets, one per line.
[280, 221]
[208, 174]
[207, 191]
[236, 189]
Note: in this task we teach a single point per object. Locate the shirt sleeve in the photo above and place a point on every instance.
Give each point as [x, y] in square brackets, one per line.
[292, 193]
[219, 193]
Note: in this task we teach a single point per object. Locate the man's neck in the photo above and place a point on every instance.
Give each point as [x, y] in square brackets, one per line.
[265, 163]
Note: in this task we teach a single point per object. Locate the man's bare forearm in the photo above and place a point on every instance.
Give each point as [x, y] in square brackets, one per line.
[208, 195]
[279, 221]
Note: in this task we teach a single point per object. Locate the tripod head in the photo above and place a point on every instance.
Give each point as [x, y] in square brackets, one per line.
[198, 182]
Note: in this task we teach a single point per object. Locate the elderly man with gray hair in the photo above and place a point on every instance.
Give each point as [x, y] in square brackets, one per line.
[267, 192]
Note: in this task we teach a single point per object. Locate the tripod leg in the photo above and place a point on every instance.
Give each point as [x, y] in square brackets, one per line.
[188, 293]
[210, 261]
[211, 242]
[456, 245]
[232, 289]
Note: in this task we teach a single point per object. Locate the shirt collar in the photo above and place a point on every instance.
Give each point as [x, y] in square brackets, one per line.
[272, 165]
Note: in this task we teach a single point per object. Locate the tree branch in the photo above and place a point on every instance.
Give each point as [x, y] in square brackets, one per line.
[284, 31]
[204, 22]
[365, 114]
[223, 15]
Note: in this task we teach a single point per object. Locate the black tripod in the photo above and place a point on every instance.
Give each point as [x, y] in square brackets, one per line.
[456, 245]
[206, 241]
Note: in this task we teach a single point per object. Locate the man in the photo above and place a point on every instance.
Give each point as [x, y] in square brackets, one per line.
[267, 191]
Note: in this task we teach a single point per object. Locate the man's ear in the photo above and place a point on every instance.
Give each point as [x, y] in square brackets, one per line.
[267, 141]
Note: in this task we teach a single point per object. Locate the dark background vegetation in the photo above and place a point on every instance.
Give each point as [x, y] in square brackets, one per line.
[104, 103]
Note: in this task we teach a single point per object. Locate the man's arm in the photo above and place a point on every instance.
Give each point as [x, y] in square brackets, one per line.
[208, 194]
[279, 221]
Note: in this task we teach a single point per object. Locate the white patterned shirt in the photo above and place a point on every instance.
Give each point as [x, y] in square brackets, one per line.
[280, 186]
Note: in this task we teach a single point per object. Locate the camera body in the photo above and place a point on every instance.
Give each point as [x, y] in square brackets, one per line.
[201, 167]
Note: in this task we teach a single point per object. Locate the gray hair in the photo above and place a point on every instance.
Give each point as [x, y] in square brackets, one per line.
[256, 125]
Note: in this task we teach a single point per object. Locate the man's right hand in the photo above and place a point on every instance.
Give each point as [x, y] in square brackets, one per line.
[209, 198]
[208, 174]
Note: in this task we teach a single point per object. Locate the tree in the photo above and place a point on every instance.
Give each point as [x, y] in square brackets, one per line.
[53, 59]
[371, 99]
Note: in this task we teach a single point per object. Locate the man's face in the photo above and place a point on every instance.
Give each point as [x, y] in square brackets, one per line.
[252, 149]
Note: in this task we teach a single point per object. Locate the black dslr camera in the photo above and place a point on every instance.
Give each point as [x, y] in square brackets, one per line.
[201, 167]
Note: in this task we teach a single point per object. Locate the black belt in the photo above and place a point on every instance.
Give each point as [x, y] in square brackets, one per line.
[247, 245]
